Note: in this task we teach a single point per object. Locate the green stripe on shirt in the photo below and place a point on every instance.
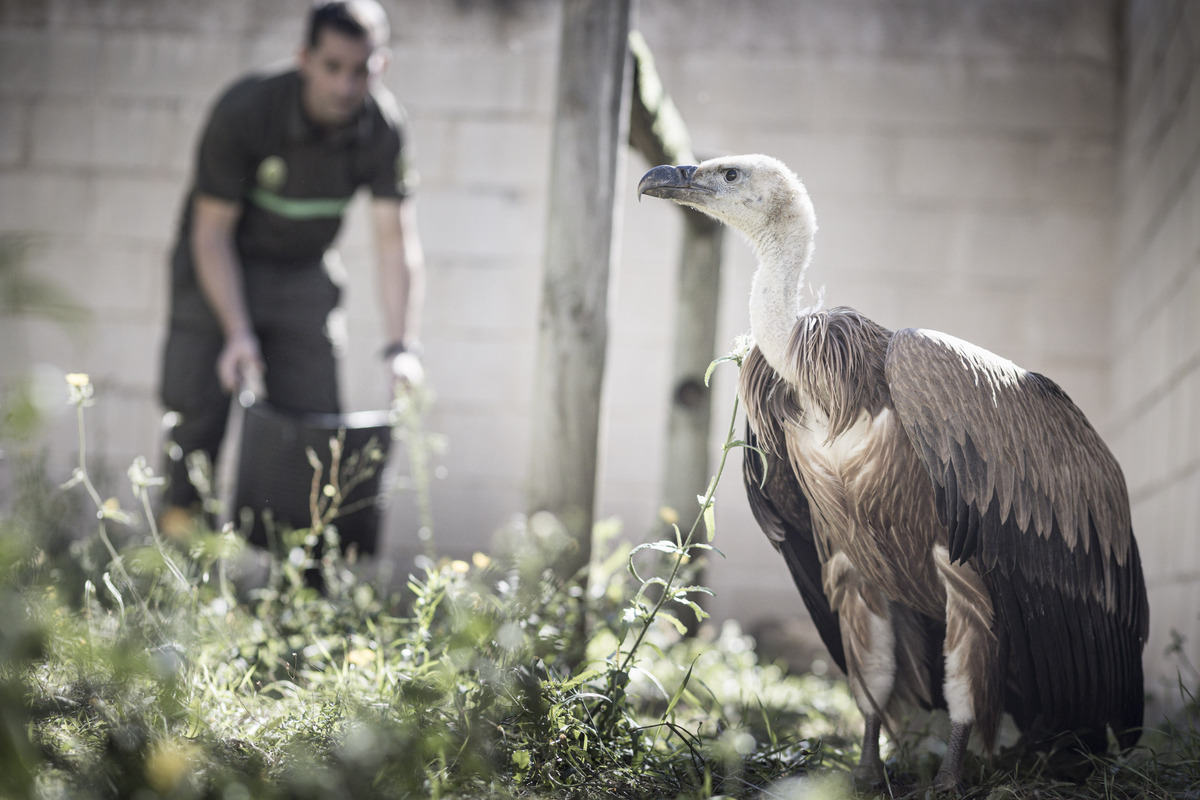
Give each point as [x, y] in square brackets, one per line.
[299, 208]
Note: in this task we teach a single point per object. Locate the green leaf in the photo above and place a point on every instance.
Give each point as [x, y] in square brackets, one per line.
[662, 546]
[671, 618]
[683, 685]
[583, 677]
[712, 366]
[710, 521]
[695, 607]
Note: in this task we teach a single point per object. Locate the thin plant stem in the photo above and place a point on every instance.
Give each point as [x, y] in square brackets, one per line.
[667, 593]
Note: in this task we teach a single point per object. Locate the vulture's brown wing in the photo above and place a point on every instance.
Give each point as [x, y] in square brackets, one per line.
[1034, 499]
[782, 512]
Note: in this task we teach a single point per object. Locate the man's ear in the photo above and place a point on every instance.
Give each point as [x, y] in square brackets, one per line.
[379, 61]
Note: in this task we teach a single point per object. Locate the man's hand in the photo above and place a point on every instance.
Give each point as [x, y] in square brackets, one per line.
[407, 372]
[240, 363]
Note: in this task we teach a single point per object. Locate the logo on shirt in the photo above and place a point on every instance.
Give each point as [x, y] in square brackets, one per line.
[272, 173]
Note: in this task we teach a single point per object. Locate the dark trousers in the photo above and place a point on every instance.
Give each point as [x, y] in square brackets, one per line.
[290, 308]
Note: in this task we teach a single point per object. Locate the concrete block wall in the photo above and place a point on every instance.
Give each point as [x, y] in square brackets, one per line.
[1156, 318]
[962, 157]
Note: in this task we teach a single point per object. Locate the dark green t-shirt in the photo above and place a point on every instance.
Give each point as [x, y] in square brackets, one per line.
[293, 179]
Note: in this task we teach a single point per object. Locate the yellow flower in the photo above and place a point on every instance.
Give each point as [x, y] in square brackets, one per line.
[481, 560]
[360, 656]
[461, 567]
[169, 763]
[668, 515]
[80, 388]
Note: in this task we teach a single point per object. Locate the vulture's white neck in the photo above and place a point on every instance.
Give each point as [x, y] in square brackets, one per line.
[778, 293]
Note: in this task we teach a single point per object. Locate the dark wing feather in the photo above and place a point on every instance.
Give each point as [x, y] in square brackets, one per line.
[1035, 500]
[782, 512]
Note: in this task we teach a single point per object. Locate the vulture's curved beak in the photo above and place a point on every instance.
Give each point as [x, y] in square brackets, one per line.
[668, 182]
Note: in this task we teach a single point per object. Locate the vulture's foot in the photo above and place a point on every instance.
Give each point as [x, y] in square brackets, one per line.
[948, 785]
[869, 775]
[869, 778]
[949, 776]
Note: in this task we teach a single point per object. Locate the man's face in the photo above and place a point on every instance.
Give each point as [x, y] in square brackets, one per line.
[337, 73]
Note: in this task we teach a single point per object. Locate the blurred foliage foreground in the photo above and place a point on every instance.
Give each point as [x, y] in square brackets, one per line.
[131, 665]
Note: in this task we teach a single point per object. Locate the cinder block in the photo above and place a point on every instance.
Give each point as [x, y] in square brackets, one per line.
[24, 62]
[885, 238]
[63, 133]
[460, 77]
[1080, 172]
[474, 374]
[165, 66]
[127, 281]
[1041, 97]
[48, 344]
[467, 515]
[1047, 246]
[183, 136]
[433, 147]
[1073, 324]
[274, 46]
[139, 209]
[42, 202]
[491, 152]
[484, 446]
[642, 307]
[1000, 169]
[464, 223]
[638, 382]
[124, 424]
[135, 134]
[1191, 413]
[483, 297]
[15, 134]
[1177, 407]
[835, 163]
[1183, 321]
[632, 449]
[127, 353]
[74, 66]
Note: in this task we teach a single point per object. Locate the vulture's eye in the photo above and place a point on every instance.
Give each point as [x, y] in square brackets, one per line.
[732, 175]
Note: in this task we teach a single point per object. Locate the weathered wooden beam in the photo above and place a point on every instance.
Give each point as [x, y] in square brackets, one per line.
[590, 131]
[658, 132]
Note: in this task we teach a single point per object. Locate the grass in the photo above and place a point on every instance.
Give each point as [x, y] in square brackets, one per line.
[132, 666]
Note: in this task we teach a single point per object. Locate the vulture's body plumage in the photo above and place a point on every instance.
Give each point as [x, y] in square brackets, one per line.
[957, 529]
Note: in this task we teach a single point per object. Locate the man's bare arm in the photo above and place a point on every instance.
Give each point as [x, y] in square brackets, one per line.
[219, 272]
[401, 280]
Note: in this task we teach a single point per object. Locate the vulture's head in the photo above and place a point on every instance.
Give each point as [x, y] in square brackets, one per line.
[756, 194]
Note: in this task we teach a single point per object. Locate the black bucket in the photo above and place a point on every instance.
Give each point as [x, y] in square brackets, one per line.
[275, 479]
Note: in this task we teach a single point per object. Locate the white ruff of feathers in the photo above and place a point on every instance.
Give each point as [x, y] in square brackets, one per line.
[779, 295]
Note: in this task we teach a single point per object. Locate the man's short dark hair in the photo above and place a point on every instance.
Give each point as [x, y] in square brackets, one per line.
[357, 18]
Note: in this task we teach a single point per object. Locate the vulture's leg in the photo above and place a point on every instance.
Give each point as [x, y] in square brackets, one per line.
[972, 687]
[949, 775]
[870, 643]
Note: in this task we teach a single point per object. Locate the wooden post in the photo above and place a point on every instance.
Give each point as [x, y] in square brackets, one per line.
[590, 131]
[687, 466]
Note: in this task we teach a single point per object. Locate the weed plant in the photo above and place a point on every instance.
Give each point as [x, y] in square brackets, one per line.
[132, 667]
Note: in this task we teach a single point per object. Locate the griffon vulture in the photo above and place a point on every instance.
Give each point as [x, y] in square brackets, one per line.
[957, 529]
